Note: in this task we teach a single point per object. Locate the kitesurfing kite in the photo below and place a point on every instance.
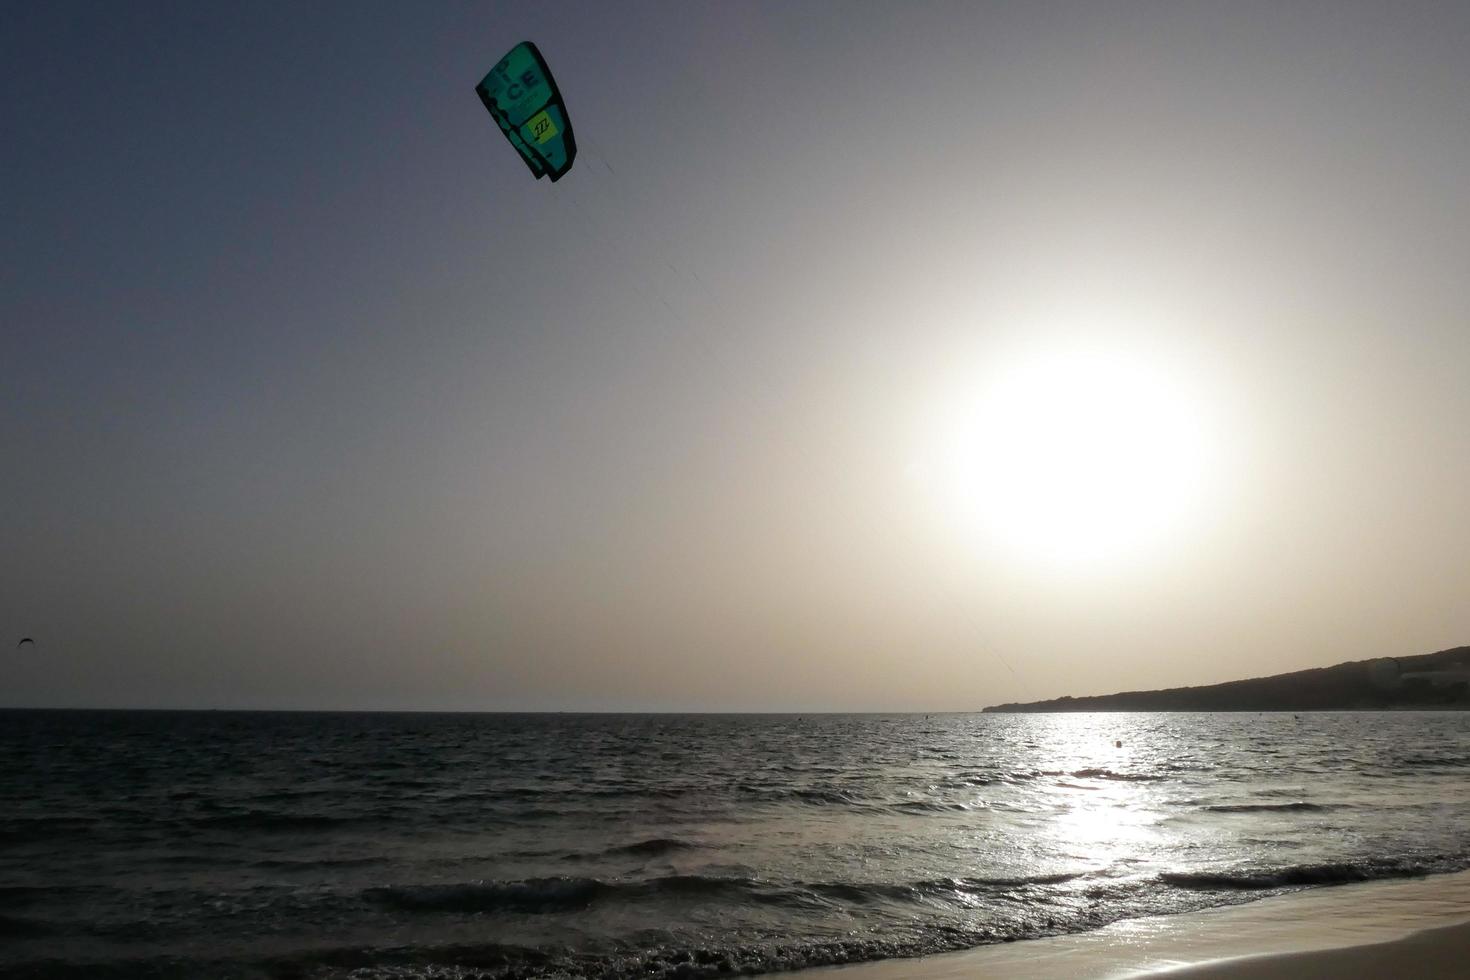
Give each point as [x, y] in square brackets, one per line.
[26, 642]
[525, 102]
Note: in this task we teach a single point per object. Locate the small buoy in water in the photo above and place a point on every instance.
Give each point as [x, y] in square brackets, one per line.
[1118, 744]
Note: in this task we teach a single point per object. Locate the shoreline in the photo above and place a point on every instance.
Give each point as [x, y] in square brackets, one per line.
[1410, 927]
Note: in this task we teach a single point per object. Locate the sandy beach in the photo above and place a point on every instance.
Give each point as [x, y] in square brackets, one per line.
[1418, 928]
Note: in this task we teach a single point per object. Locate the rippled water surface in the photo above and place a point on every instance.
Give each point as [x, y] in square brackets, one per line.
[495, 846]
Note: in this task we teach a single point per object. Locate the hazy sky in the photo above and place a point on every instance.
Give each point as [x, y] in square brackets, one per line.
[890, 356]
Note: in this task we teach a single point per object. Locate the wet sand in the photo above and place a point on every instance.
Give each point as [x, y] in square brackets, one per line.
[1417, 928]
[1434, 954]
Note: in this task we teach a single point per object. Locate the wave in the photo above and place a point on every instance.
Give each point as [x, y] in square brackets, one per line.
[653, 847]
[839, 797]
[504, 794]
[1023, 775]
[550, 895]
[532, 895]
[1304, 874]
[811, 797]
[954, 889]
[1435, 761]
[933, 806]
[1300, 806]
[270, 820]
[292, 795]
[309, 864]
[824, 797]
[619, 792]
[572, 894]
[1128, 777]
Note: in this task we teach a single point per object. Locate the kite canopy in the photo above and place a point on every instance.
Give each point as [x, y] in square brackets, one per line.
[25, 642]
[525, 102]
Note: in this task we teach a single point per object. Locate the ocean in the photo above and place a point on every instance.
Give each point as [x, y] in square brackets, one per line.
[366, 846]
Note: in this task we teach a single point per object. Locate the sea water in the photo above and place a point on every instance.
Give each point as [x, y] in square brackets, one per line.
[218, 844]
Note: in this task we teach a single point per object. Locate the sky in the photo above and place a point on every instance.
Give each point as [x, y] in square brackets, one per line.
[870, 357]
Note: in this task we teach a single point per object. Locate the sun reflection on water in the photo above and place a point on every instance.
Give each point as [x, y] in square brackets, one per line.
[1102, 791]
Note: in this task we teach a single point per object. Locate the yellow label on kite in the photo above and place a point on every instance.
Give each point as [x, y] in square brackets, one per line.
[542, 128]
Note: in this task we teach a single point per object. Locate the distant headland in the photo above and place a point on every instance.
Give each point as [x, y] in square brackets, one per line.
[1431, 680]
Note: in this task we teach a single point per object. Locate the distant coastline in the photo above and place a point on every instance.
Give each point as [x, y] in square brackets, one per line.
[1429, 681]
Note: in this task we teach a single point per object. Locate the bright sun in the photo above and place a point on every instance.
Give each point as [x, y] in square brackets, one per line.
[1072, 458]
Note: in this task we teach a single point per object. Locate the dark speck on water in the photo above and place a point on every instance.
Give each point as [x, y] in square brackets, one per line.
[366, 846]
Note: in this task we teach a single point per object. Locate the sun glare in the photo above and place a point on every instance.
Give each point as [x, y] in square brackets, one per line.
[1072, 458]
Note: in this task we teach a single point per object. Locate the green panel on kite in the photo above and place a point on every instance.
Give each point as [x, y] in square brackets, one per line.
[521, 95]
[532, 160]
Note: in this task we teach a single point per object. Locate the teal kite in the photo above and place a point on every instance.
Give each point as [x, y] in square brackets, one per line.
[524, 100]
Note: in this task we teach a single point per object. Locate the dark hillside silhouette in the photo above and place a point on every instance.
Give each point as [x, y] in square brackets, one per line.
[1432, 680]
